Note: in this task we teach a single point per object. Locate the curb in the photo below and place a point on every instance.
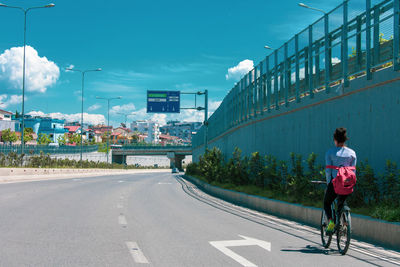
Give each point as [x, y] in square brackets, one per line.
[364, 228]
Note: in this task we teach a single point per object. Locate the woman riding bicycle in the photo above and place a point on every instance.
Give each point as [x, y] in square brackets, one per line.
[340, 156]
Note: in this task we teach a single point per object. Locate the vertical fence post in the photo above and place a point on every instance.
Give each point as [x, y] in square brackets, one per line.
[251, 94]
[317, 68]
[236, 100]
[286, 74]
[310, 62]
[358, 44]
[297, 67]
[268, 84]
[256, 92]
[376, 35]
[368, 40]
[247, 97]
[261, 85]
[327, 54]
[276, 91]
[345, 53]
[396, 25]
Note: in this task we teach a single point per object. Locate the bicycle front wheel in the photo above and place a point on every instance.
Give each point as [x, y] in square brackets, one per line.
[344, 232]
[326, 239]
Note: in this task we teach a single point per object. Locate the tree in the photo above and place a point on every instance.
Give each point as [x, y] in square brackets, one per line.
[74, 138]
[62, 140]
[44, 139]
[9, 136]
[28, 134]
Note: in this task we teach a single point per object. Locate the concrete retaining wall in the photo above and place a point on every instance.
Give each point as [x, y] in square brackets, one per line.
[363, 227]
[11, 175]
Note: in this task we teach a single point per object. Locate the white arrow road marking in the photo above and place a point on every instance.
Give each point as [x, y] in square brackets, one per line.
[136, 253]
[246, 241]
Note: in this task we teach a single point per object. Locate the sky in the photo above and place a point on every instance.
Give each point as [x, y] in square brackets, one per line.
[139, 45]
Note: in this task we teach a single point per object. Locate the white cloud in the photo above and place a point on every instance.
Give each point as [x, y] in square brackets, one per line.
[40, 72]
[335, 60]
[237, 72]
[8, 100]
[92, 119]
[94, 107]
[127, 108]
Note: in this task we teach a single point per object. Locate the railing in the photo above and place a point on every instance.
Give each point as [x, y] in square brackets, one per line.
[152, 147]
[37, 149]
[331, 51]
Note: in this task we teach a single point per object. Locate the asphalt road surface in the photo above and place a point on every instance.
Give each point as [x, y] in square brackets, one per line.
[154, 219]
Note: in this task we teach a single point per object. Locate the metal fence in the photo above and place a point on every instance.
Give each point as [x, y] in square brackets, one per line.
[152, 147]
[37, 149]
[347, 42]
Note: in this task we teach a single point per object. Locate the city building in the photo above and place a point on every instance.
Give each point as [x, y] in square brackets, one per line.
[182, 130]
[149, 128]
[6, 121]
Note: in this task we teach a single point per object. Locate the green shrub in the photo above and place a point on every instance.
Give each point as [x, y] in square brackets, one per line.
[266, 176]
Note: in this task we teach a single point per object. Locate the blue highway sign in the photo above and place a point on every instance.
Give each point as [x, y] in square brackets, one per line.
[163, 101]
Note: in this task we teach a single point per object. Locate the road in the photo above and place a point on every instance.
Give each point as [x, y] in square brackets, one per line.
[154, 219]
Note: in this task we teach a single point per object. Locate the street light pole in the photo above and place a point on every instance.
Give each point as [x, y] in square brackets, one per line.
[313, 8]
[23, 65]
[126, 117]
[108, 115]
[83, 85]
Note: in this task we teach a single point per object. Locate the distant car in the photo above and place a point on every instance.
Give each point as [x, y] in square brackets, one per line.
[175, 170]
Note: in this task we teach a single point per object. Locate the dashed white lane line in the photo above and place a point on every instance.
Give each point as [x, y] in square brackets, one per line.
[121, 181]
[76, 179]
[136, 253]
[119, 206]
[164, 183]
[122, 220]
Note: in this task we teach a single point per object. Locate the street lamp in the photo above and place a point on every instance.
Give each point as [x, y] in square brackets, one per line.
[83, 83]
[108, 113]
[126, 116]
[23, 65]
[313, 8]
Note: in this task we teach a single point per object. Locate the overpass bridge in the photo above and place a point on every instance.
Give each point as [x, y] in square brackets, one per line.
[175, 153]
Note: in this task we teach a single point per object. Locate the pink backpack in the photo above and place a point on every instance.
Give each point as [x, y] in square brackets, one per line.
[345, 179]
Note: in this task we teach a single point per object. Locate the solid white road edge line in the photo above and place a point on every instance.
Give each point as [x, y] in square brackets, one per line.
[136, 253]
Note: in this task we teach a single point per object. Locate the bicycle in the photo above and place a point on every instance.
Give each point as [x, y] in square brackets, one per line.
[342, 226]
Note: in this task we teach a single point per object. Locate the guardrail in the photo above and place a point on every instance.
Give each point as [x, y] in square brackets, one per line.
[331, 51]
[141, 147]
[37, 149]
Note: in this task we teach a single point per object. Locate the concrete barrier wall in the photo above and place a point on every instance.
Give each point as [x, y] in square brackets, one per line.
[48, 171]
[367, 108]
[363, 227]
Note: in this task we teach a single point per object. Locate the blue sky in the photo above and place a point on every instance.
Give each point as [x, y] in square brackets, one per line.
[140, 45]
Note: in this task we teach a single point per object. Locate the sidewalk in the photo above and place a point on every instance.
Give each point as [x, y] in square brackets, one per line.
[15, 175]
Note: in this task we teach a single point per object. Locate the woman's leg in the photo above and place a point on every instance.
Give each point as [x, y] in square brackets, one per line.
[330, 196]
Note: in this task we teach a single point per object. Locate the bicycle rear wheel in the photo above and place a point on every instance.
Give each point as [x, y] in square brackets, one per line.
[326, 239]
[344, 232]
